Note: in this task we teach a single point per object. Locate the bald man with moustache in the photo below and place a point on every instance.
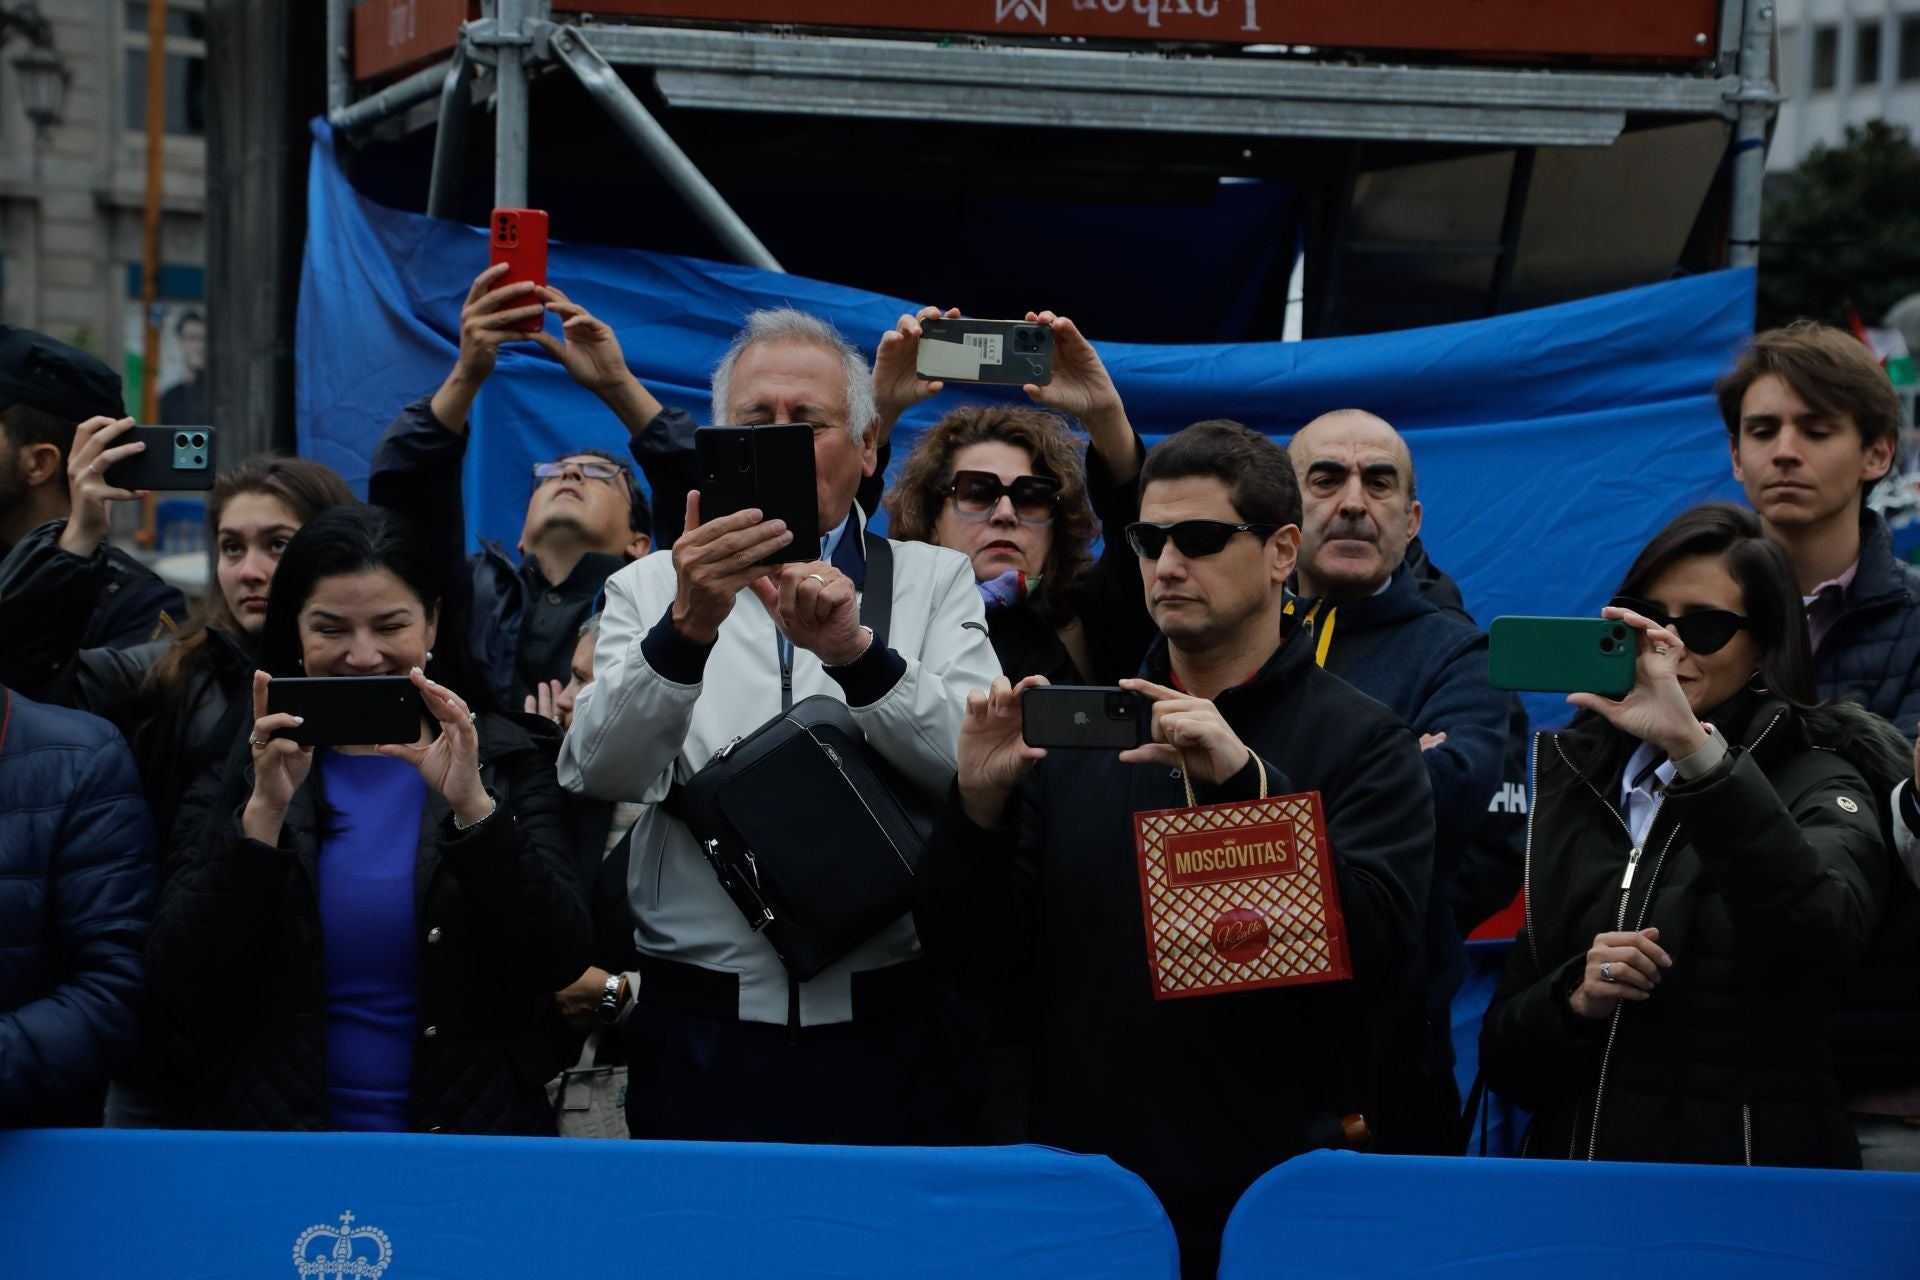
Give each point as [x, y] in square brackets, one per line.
[1372, 624]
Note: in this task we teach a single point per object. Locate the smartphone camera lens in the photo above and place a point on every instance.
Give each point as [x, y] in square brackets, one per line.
[1120, 706]
[199, 440]
[1026, 339]
[1607, 644]
[182, 440]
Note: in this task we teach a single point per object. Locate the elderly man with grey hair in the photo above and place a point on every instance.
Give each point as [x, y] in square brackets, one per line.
[700, 646]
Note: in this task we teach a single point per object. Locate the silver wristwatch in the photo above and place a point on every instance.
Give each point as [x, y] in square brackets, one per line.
[610, 998]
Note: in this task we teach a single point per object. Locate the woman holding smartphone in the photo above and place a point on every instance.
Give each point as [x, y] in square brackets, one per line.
[368, 937]
[181, 698]
[1705, 854]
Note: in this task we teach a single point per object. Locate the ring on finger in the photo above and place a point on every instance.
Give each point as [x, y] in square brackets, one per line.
[1660, 648]
[256, 742]
[1606, 972]
[817, 578]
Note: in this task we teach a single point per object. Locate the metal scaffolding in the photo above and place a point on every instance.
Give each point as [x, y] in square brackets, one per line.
[1055, 85]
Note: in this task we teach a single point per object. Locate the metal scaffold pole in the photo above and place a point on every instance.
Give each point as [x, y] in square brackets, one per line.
[510, 106]
[1756, 100]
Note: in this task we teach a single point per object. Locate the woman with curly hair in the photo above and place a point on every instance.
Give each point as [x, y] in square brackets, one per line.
[1005, 486]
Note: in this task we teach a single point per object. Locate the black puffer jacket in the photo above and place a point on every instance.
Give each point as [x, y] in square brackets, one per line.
[236, 957]
[1763, 878]
[1871, 654]
[54, 603]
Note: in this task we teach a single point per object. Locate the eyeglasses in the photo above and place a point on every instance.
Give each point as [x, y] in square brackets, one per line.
[1193, 538]
[976, 495]
[1702, 631]
[602, 471]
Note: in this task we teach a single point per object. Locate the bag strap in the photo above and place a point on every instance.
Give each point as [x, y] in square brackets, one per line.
[1186, 777]
[876, 594]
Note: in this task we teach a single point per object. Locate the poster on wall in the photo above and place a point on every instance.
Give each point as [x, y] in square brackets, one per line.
[183, 361]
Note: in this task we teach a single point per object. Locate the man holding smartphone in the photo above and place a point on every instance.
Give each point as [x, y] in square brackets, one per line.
[585, 519]
[699, 649]
[52, 519]
[1031, 873]
[1813, 425]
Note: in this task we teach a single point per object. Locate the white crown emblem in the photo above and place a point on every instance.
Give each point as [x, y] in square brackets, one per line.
[345, 1252]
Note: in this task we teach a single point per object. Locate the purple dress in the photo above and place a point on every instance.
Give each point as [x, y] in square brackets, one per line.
[367, 926]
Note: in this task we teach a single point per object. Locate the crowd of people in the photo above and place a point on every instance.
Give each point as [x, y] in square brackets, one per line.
[204, 924]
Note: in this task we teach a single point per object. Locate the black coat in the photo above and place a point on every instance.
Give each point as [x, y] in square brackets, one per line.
[53, 604]
[1763, 878]
[236, 954]
[521, 628]
[1151, 1082]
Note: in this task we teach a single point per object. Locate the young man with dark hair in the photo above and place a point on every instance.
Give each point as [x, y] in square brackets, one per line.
[1813, 424]
[587, 515]
[1032, 865]
[47, 390]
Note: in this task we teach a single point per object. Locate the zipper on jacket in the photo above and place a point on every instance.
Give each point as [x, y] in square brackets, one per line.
[1746, 1131]
[783, 651]
[1526, 863]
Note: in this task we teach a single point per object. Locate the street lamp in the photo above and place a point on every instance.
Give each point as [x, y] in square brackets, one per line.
[43, 76]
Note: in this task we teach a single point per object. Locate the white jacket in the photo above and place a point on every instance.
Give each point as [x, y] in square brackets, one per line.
[635, 732]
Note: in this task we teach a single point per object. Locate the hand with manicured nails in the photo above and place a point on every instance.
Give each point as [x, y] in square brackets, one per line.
[816, 607]
[280, 768]
[450, 761]
[1633, 963]
[87, 462]
[712, 561]
[1190, 729]
[993, 757]
[1655, 710]
[897, 386]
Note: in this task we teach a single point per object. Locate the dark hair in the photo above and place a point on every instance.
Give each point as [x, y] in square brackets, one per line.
[915, 502]
[1257, 472]
[1770, 598]
[639, 514]
[306, 489]
[1830, 369]
[26, 425]
[364, 539]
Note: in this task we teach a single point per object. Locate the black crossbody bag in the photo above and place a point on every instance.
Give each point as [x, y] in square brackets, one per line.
[813, 835]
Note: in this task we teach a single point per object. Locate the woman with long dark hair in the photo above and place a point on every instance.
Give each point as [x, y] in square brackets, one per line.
[369, 937]
[179, 698]
[1705, 853]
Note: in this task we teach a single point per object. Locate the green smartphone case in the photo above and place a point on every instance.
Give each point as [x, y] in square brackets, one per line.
[1560, 655]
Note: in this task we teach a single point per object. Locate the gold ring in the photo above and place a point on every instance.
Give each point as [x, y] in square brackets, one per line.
[817, 578]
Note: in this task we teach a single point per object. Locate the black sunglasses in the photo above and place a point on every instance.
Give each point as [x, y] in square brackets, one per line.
[1193, 538]
[1702, 631]
[975, 494]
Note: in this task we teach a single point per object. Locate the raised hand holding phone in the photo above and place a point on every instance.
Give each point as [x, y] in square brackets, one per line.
[450, 762]
[993, 756]
[1188, 733]
[92, 453]
[280, 767]
[517, 240]
[713, 560]
[897, 384]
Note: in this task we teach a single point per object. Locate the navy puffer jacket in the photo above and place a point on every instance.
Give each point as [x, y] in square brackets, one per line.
[77, 873]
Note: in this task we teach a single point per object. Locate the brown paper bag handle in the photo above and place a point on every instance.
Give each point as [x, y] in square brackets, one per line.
[1186, 776]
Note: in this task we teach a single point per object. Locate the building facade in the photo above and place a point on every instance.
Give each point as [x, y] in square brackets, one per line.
[72, 197]
[1844, 62]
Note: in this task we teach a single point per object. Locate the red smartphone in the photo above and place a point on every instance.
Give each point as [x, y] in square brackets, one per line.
[518, 237]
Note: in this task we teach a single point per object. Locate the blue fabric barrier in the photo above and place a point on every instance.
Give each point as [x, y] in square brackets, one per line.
[1340, 1214]
[216, 1205]
[1504, 1123]
[1550, 444]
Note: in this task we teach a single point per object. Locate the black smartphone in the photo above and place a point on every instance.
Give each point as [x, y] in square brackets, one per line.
[768, 467]
[348, 711]
[1076, 715]
[175, 458]
[1007, 352]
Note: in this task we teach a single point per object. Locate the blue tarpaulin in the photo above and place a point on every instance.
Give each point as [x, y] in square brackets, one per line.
[1549, 444]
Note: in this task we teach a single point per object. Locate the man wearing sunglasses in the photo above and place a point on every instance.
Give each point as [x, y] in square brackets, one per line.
[586, 515]
[1034, 856]
[1813, 425]
[1373, 626]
